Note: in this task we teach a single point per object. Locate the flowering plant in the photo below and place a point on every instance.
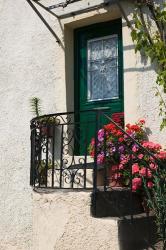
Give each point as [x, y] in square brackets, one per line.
[128, 154]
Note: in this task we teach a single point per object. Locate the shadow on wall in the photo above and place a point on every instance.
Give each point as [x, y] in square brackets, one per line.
[136, 232]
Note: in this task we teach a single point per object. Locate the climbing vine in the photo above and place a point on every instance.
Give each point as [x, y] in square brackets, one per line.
[148, 31]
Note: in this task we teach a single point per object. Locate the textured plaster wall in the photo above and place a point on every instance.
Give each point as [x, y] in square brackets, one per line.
[29, 66]
[139, 86]
[148, 105]
[33, 64]
[62, 221]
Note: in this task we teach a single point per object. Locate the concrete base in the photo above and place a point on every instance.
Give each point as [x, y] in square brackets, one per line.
[62, 221]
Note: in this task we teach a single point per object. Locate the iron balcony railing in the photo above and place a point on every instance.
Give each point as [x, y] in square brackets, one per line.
[60, 155]
[59, 150]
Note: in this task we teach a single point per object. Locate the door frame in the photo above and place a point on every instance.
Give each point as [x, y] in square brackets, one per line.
[77, 64]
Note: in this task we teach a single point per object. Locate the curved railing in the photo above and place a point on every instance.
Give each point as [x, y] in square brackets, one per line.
[60, 151]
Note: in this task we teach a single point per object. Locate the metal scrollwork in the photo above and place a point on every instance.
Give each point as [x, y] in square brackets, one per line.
[54, 160]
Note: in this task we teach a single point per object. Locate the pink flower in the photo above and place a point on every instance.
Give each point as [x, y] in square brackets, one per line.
[157, 146]
[140, 156]
[134, 188]
[151, 145]
[134, 148]
[153, 166]
[121, 166]
[145, 172]
[136, 183]
[93, 141]
[124, 159]
[162, 155]
[101, 135]
[100, 158]
[150, 184]
[135, 168]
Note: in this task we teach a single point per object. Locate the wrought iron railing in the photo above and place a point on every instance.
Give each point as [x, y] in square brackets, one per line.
[59, 150]
[60, 155]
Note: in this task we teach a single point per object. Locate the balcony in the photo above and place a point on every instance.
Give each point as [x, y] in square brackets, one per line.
[60, 150]
[61, 157]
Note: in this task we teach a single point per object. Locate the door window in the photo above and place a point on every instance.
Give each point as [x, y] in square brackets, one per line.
[102, 68]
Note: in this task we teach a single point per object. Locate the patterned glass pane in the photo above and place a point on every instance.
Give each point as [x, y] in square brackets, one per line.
[96, 50]
[103, 68]
[110, 47]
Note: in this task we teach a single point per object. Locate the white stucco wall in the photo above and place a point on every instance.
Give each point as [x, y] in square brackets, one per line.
[33, 64]
[62, 221]
[139, 87]
[28, 67]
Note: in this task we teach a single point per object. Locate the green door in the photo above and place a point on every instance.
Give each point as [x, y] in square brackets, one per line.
[98, 70]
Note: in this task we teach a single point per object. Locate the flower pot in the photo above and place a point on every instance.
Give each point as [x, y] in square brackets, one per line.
[110, 181]
[114, 177]
[46, 130]
[100, 177]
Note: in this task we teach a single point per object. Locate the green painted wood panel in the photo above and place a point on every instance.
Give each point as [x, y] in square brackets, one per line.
[81, 38]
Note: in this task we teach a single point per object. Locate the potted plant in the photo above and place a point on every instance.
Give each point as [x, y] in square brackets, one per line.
[44, 123]
[42, 173]
[122, 156]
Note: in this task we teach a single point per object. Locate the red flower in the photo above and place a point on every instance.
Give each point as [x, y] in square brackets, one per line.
[121, 139]
[128, 125]
[92, 153]
[109, 127]
[136, 128]
[142, 121]
[129, 131]
[115, 168]
[119, 133]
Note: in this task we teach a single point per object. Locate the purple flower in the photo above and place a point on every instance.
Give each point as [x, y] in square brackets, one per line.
[122, 157]
[121, 149]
